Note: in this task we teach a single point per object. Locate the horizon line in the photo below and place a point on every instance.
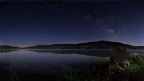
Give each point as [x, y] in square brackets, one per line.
[23, 46]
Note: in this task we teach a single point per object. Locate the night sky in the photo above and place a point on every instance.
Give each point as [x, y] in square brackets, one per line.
[24, 23]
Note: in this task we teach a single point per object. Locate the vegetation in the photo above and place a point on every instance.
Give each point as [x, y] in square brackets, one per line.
[93, 72]
[100, 72]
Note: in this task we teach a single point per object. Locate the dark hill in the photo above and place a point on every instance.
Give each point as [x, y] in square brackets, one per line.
[87, 45]
[8, 47]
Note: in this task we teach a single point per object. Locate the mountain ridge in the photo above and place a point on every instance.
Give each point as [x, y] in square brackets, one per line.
[88, 45]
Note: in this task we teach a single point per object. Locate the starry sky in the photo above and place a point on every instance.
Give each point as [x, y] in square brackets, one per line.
[24, 23]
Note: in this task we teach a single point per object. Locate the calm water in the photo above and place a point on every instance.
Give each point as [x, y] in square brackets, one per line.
[48, 59]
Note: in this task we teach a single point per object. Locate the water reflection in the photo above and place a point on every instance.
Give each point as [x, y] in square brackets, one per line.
[98, 53]
[6, 51]
[44, 59]
[37, 65]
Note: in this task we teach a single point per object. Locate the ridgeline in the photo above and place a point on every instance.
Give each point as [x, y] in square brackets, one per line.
[88, 45]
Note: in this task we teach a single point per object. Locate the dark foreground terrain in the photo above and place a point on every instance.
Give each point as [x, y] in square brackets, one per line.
[122, 66]
[91, 72]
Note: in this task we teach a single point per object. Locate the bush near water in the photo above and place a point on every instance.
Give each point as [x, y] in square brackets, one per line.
[122, 66]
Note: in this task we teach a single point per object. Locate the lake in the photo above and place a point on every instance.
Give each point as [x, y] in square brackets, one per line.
[40, 61]
[49, 59]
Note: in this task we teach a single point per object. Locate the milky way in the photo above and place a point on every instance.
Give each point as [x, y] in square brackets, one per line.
[29, 23]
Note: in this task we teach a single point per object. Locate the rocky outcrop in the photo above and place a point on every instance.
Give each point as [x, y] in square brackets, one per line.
[121, 60]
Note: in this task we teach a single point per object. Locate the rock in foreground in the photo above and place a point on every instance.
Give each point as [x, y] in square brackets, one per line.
[121, 62]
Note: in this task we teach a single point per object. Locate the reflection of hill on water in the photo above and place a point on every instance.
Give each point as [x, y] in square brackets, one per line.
[6, 51]
[100, 53]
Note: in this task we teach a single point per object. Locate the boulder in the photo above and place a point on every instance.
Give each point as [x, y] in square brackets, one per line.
[121, 59]
[120, 64]
[119, 55]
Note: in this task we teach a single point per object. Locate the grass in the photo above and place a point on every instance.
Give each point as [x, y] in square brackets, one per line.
[93, 72]
[99, 72]
[134, 67]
